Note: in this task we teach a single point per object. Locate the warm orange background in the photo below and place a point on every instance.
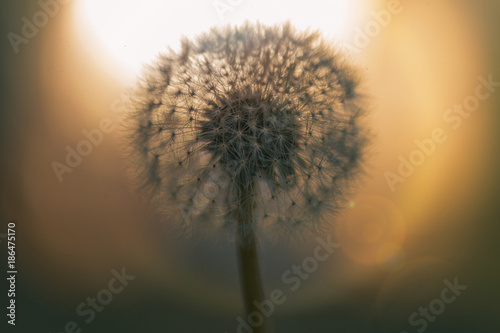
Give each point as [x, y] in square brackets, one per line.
[397, 247]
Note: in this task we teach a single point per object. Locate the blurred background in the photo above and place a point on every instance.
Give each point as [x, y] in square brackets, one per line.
[65, 68]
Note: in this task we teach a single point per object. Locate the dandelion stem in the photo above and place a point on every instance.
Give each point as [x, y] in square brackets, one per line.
[248, 260]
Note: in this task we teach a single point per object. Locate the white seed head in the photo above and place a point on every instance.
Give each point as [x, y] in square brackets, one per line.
[262, 107]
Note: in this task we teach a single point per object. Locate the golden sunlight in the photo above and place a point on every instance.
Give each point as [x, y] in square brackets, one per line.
[134, 32]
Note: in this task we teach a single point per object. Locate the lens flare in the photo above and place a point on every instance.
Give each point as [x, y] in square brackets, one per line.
[372, 231]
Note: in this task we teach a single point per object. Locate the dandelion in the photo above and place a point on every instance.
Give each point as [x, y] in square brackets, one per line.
[252, 130]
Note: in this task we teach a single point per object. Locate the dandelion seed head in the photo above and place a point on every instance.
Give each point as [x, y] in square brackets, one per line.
[252, 114]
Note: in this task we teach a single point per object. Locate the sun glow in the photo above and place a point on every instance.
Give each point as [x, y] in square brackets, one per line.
[134, 32]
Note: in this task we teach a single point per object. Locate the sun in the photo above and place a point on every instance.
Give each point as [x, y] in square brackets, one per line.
[134, 32]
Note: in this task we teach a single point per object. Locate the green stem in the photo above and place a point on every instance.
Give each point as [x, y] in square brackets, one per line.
[248, 260]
